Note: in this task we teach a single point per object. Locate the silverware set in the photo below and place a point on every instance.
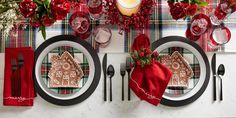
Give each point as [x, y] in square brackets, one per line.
[16, 67]
[110, 72]
[220, 72]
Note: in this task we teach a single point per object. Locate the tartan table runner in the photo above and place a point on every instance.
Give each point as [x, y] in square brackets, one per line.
[194, 64]
[79, 56]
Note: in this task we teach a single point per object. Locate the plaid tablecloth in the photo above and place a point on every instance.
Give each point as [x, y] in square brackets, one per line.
[193, 62]
[80, 57]
[161, 25]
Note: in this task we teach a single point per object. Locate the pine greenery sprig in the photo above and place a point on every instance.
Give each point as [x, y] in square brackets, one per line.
[143, 57]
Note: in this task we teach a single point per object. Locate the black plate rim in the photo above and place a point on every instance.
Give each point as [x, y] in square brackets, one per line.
[94, 83]
[189, 100]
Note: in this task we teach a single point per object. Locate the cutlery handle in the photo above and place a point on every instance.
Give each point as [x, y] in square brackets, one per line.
[19, 83]
[110, 89]
[128, 86]
[123, 89]
[13, 84]
[221, 91]
[214, 87]
[105, 89]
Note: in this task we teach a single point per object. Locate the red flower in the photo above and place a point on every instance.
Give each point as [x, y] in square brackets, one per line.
[46, 21]
[141, 54]
[148, 51]
[138, 62]
[155, 54]
[27, 8]
[35, 23]
[177, 11]
[191, 10]
[59, 9]
[234, 8]
[185, 5]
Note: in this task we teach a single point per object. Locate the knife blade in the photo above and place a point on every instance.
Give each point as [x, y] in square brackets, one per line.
[104, 67]
[213, 67]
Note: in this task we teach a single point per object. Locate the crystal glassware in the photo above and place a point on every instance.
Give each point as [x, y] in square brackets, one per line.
[95, 9]
[222, 11]
[80, 23]
[220, 35]
[102, 35]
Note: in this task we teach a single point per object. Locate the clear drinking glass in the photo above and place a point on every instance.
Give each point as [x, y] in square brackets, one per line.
[102, 35]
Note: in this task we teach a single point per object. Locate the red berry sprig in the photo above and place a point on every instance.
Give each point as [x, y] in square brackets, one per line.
[143, 57]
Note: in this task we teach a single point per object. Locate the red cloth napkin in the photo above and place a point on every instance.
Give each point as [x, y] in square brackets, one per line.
[149, 82]
[24, 97]
[141, 41]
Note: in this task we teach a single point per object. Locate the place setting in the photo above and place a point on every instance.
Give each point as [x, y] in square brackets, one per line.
[152, 51]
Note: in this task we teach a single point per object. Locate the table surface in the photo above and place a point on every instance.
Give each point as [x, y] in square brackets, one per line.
[94, 106]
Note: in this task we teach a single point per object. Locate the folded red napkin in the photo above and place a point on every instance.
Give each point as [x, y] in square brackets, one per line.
[18, 81]
[148, 82]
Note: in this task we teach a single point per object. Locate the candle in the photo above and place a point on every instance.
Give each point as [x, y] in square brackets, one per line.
[128, 7]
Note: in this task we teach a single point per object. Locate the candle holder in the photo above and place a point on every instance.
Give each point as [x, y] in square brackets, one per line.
[128, 7]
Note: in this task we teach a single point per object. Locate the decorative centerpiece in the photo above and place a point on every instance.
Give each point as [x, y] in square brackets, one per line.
[65, 71]
[9, 15]
[44, 13]
[185, 8]
[128, 14]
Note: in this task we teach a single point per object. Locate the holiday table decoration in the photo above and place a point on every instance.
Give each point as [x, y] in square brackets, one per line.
[149, 78]
[116, 13]
[180, 68]
[184, 8]
[65, 71]
[44, 13]
[9, 15]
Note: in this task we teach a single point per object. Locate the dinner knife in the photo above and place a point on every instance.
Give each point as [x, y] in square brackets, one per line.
[213, 67]
[104, 67]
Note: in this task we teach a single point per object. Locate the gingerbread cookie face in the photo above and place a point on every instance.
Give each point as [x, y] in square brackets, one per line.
[65, 72]
[181, 70]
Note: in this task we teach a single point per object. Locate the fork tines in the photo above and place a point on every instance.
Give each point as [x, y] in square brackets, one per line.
[128, 63]
[122, 69]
